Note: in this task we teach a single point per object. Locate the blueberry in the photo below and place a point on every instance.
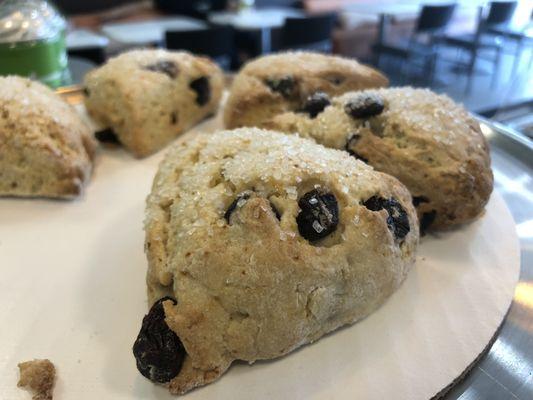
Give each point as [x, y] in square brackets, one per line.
[318, 216]
[238, 202]
[417, 200]
[427, 220]
[106, 136]
[364, 106]
[174, 118]
[350, 147]
[336, 80]
[316, 103]
[203, 90]
[166, 67]
[158, 350]
[284, 85]
[397, 221]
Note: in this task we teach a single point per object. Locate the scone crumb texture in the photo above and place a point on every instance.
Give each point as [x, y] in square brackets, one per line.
[39, 377]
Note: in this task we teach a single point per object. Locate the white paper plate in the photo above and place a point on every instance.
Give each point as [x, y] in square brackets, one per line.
[72, 290]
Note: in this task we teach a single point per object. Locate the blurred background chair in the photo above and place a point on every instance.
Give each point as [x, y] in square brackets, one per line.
[214, 42]
[499, 14]
[423, 43]
[309, 33]
[191, 8]
[522, 36]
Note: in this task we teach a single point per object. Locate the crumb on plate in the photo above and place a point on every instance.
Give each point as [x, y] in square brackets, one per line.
[39, 377]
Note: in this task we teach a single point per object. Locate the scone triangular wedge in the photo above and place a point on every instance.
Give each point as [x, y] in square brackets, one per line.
[259, 243]
[282, 82]
[431, 144]
[46, 150]
[149, 97]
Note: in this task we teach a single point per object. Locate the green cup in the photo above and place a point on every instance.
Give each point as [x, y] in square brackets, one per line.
[42, 59]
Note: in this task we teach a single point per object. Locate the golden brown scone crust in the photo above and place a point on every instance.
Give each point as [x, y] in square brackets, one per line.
[46, 150]
[431, 144]
[147, 108]
[254, 288]
[252, 101]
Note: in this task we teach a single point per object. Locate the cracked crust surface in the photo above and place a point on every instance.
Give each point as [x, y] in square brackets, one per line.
[251, 101]
[146, 106]
[252, 287]
[46, 150]
[431, 144]
[39, 377]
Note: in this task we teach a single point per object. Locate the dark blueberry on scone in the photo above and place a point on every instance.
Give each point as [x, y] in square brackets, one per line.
[427, 220]
[106, 136]
[149, 97]
[282, 82]
[397, 221]
[203, 90]
[417, 200]
[174, 116]
[284, 85]
[318, 216]
[350, 147]
[428, 142]
[364, 106]
[316, 103]
[158, 351]
[262, 239]
[167, 67]
[237, 203]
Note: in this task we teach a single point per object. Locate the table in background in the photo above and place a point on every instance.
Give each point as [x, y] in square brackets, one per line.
[261, 20]
[145, 33]
[85, 43]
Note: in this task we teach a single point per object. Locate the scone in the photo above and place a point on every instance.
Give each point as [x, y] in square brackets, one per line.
[259, 243]
[46, 150]
[148, 97]
[281, 82]
[431, 144]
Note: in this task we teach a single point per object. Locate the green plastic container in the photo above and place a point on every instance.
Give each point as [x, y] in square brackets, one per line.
[32, 42]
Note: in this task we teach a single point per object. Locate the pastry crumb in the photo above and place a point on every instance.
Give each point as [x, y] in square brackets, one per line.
[39, 377]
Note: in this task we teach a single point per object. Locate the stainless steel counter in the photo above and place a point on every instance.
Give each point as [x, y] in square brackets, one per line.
[506, 370]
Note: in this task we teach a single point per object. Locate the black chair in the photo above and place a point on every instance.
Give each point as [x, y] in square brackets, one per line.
[499, 14]
[95, 54]
[193, 8]
[214, 42]
[308, 33]
[423, 43]
[521, 36]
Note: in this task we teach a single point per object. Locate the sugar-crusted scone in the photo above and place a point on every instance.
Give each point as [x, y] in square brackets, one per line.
[46, 150]
[260, 242]
[281, 82]
[431, 144]
[149, 97]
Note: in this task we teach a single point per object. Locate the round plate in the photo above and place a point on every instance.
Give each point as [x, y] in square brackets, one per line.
[72, 290]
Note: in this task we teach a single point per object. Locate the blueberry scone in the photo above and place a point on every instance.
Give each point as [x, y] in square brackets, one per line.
[282, 82]
[431, 144]
[46, 150]
[260, 242]
[146, 98]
